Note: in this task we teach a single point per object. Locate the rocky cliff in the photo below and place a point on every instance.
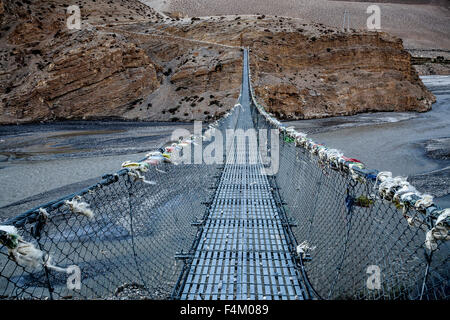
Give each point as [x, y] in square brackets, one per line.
[130, 62]
[333, 73]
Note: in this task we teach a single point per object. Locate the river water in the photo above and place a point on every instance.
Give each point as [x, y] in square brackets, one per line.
[42, 162]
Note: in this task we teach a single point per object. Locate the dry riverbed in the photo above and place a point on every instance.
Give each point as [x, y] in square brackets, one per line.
[43, 162]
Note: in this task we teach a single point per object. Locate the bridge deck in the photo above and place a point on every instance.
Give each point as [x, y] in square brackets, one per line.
[243, 252]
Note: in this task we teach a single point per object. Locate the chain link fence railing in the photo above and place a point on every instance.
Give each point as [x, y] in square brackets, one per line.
[362, 234]
[124, 232]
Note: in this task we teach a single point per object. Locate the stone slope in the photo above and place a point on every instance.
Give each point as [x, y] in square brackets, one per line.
[301, 70]
[134, 63]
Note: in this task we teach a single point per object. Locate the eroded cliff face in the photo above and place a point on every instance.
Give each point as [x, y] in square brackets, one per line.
[52, 73]
[133, 63]
[336, 74]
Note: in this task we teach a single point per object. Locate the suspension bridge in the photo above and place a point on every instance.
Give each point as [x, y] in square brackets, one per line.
[313, 230]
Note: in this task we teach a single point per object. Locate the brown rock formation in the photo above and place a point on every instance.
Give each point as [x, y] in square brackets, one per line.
[336, 74]
[92, 79]
[171, 69]
[54, 73]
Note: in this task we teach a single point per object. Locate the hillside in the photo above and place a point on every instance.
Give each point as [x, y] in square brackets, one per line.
[134, 63]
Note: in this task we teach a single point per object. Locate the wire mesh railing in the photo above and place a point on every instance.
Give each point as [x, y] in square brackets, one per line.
[361, 234]
[123, 232]
[133, 236]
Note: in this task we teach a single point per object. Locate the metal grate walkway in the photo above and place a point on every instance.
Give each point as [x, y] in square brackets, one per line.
[243, 251]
